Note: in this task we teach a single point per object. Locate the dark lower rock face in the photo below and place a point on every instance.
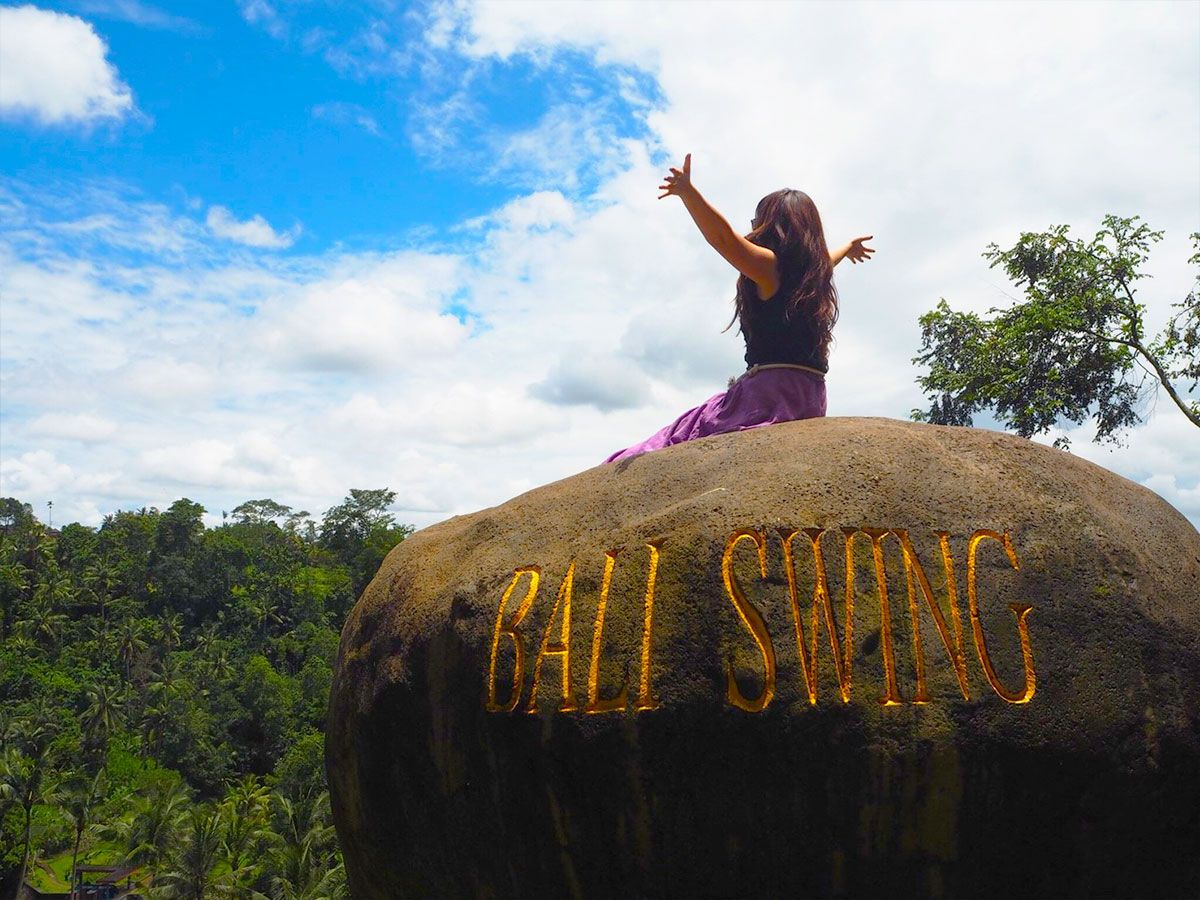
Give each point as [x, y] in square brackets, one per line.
[1009, 704]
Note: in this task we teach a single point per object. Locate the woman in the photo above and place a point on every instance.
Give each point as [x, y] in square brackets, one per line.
[786, 306]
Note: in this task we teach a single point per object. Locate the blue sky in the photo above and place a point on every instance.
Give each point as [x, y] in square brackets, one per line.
[296, 116]
[282, 249]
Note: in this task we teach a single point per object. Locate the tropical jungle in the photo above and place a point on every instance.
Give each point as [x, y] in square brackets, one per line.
[163, 690]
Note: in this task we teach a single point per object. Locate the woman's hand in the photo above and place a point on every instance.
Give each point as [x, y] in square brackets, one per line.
[755, 262]
[856, 252]
[677, 182]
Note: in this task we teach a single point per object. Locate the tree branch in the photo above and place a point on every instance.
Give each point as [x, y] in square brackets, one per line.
[1161, 374]
[1163, 377]
[1193, 417]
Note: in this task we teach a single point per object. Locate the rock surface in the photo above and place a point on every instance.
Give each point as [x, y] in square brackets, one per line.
[694, 751]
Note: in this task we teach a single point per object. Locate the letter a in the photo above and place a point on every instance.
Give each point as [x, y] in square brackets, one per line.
[561, 648]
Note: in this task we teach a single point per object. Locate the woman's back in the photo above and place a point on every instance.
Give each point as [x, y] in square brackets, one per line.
[773, 336]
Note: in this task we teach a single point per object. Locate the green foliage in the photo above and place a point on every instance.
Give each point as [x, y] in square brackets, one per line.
[153, 672]
[1179, 344]
[267, 727]
[302, 766]
[125, 770]
[1073, 348]
[360, 532]
[15, 515]
[260, 512]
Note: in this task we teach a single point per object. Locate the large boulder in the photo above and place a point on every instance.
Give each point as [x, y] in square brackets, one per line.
[663, 678]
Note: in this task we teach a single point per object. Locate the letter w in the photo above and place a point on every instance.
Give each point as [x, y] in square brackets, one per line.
[842, 659]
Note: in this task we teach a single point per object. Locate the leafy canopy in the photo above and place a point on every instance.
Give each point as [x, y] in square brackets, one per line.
[1074, 347]
[163, 690]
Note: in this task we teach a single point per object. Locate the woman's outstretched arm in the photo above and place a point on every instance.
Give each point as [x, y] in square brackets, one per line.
[854, 251]
[755, 262]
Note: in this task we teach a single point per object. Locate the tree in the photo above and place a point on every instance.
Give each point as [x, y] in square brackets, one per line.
[266, 727]
[1072, 348]
[261, 512]
[130, 643]
[360, 532]
[100, 575]
[150, 831]
[179, 528]
[103, 711]
[193, 873]
[305, 863]
[25, 781]
[246, 812]
[177, 538]
[15, 515]
[169, 628]
[23, 552]
[347, 525]
[127, 541]
[44, 619]
[14, 576]
[266, 615]
[81, 794]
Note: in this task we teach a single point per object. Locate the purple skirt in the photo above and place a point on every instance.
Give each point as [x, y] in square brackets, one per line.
[760, 397]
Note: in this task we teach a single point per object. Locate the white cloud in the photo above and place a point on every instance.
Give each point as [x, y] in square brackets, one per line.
[533, 341]
[337, 112]
[37, 473]
[436, 412]
[137, 13]
[41, 474]
[164, 381]
[262, 13]
[73, 426]
[386, 316]
[602, 380]
[539, 210]
[245, 462]
[253, 232]
[53, 68]
[685, 350]
[569, 146]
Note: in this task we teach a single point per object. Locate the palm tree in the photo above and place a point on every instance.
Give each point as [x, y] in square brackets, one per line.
[155, 719]
[166, 678]
[222, 668]
[130, 643]
[101, 576]
[150, 830]
[36, 546]
[55, 585]
[100, 631]
[265, 613]
[80, 797]
[103, 712]
[190, 874]
[306, 864]
[25, 781]
[169, 628]
[245, 810]
[44, 620]
[33, 733]
[206, 639]
[14, 576]
[20, 642]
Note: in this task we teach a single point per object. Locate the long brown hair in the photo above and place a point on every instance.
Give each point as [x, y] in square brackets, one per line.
[787, 223]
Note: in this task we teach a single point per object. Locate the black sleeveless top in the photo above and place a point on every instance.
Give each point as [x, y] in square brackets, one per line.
[772, 337]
